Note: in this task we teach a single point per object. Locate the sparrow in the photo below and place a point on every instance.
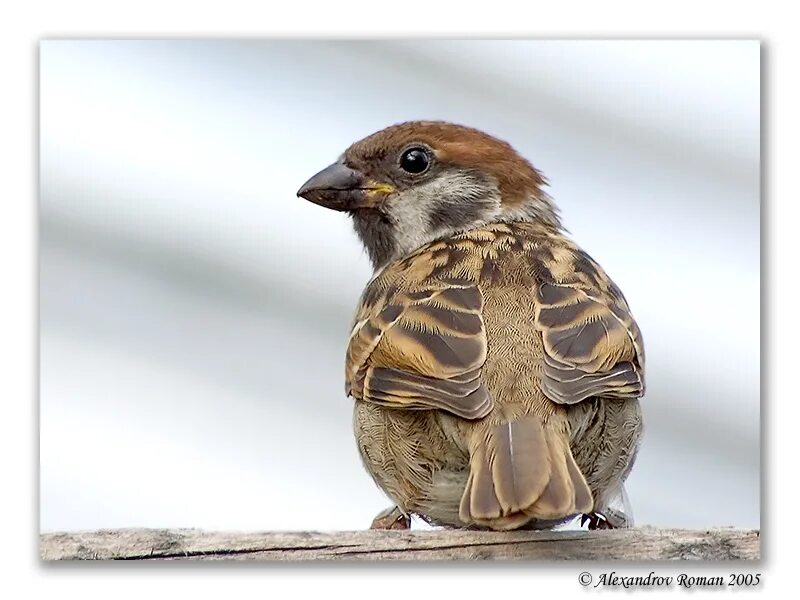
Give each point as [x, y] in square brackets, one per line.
[495, 368]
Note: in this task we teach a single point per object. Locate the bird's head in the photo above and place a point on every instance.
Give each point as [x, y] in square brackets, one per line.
[412, 183]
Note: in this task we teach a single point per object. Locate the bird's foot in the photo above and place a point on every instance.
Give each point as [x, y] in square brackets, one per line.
[596, 521]
[391, 518]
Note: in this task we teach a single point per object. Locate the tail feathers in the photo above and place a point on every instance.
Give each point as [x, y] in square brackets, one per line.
[522, 470]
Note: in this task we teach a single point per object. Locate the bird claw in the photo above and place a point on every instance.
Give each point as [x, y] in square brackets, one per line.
[596, 521]
[391, 518]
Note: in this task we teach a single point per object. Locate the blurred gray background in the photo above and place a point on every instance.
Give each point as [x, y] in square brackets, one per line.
[194, 312]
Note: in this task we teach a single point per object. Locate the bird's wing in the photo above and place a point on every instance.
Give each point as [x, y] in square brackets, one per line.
[421, 349]
[593, 347]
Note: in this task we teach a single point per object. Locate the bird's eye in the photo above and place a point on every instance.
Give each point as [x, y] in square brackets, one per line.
[414, 160]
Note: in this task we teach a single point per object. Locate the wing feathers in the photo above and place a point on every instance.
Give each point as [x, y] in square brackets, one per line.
[568, 385]
[592, 345]
[422, 350]
[464, 396]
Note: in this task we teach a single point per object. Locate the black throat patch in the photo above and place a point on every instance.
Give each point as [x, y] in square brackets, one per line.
[376, 233]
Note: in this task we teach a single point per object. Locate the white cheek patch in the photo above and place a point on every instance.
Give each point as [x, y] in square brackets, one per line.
[420, 214]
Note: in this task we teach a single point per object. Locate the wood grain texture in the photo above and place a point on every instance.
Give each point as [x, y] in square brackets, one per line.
[644, 543]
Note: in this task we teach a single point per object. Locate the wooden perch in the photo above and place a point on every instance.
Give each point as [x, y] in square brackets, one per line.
[644, 543]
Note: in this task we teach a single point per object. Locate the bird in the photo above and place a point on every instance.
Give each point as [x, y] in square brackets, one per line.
[494, 367]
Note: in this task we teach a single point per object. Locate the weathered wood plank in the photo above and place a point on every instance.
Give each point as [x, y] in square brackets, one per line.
[644, 543]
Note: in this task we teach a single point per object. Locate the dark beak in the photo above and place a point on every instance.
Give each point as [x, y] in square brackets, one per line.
[338, 187]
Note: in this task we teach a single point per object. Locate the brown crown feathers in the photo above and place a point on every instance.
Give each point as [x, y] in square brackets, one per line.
[458, 146]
